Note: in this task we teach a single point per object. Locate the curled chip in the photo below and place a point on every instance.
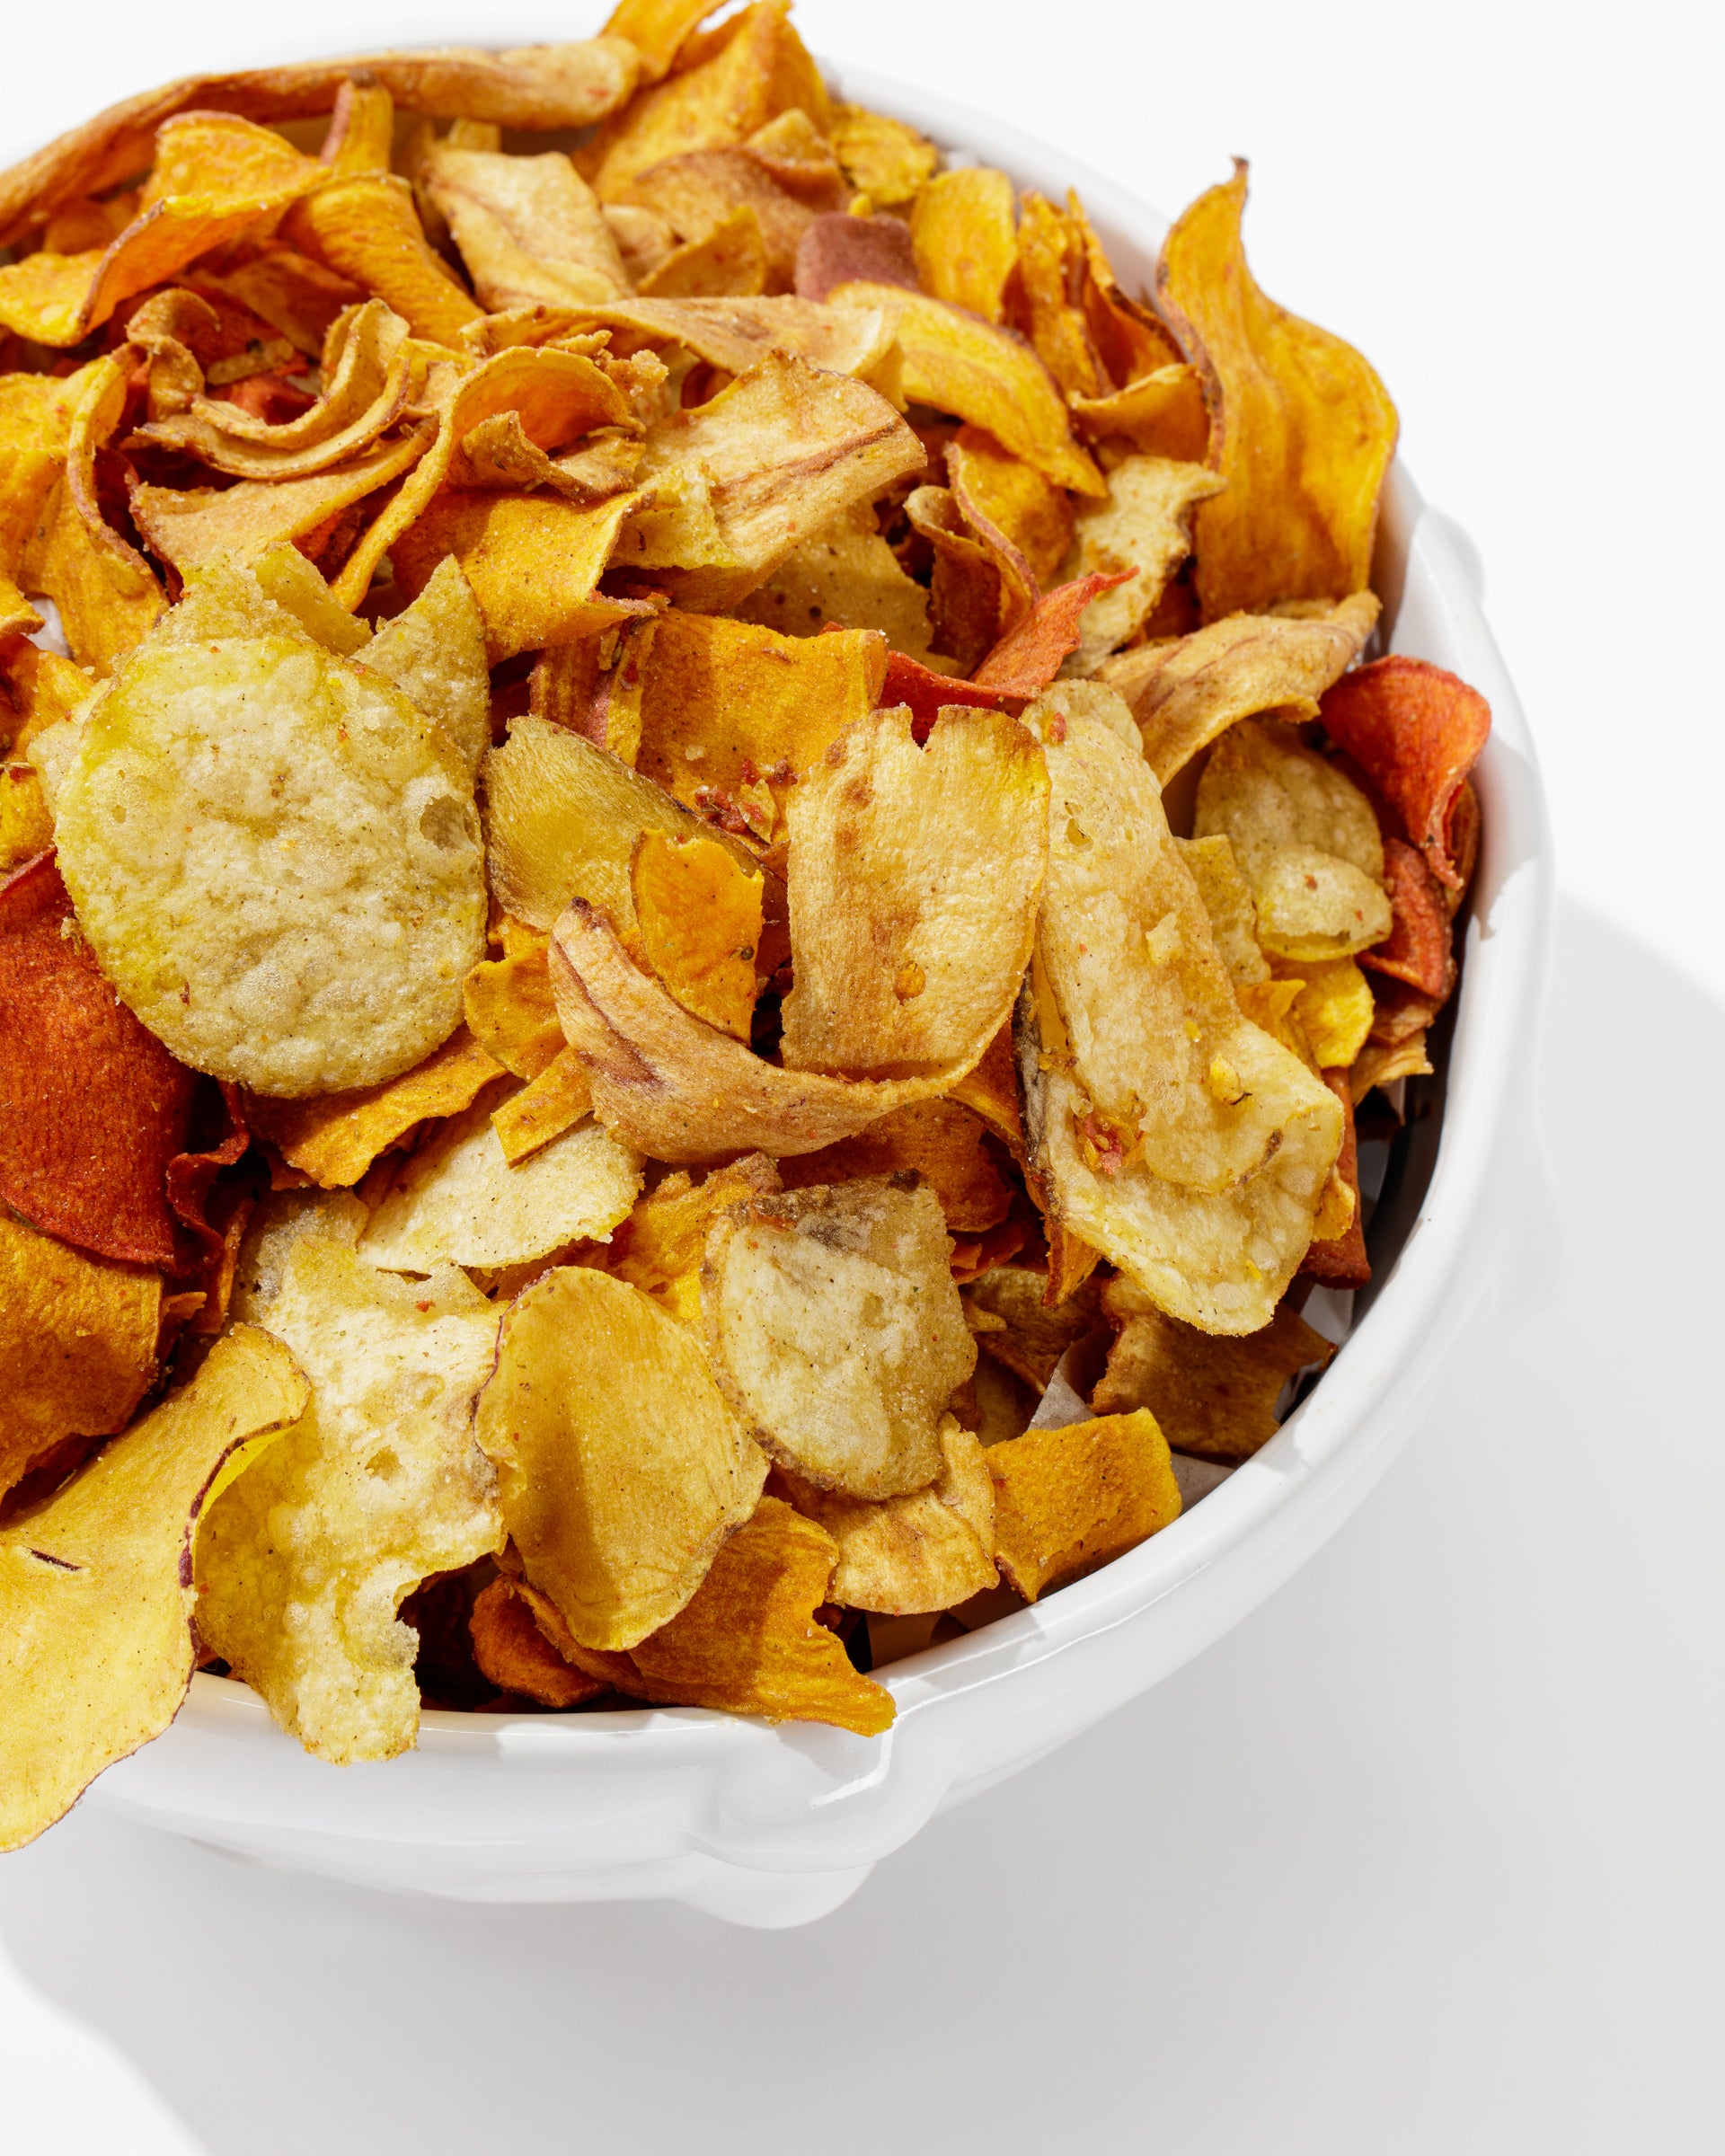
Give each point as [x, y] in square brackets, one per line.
[1417, 732]
[1419, 947]
[1214, 1398]
[1028, 658]
[459, 1201]
[1305, 837]
[698, 191]
[335, 1137]
[925, 1551]
[939, 1140]
[96, 1600]
[1010, 505]
[660, 1248]
[512, 1651]
[965, 233]
[699, 916]
[1067, 1501]
[1334, 1007]
[836, 1333]
[1301, 428]
[1145, 525]
[550, 1104]
[622, 1469]
[276, 862]
[378, 1485]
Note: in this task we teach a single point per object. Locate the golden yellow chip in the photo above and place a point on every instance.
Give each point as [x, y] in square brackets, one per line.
[434, 651]
[544, 1109]
[1145, 525]
[510, 1008]
[659, 1249]
[1228, 901]
[290, 582]
[1334, 1008]
[883, 158]
[335, 1137]
[1067, 1501]
[940, 1141]
[1046, 311]
[1009, 503]
[699, 192]
[727, 260]
[848, 576]
[1021, 1333]
[96, 1600]
[699, 917]
[964, 230]
[1161, 414]
[738, 334]
[364, 226]
[529, 229]
[656, 29]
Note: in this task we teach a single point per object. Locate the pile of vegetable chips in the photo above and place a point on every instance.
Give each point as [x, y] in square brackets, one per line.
[701, 873]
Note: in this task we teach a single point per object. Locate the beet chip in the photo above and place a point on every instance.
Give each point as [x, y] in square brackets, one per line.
[928, 694]
[1027, 659]
[1417, 732]
[1417, 950]
[92, 1107]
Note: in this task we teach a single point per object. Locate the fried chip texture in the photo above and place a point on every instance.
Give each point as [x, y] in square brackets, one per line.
[509, 1010]
[729, 260]
[925, 1551]
[700, 920]
[1145, 524]
[529, 229]
[1302, 429]
[96, 1599]
[939, 1140]
[1067, 1501]
[434, 651]
[1027, 659]
[512, 1651]
[849, 576]
[1419, 947]
[335, 1137]
[964, 231]
[656, 29]
[366, 226]
[621, 1468]
[378, 1485]
[1214, 1398]
[77, 1344]
[836, 1331]
[1417, 732]
[659, 1249]
[459, 1201]
[1010, 503]
[1024, 1335]
[883, 158]
[276, 862]
[913, 879]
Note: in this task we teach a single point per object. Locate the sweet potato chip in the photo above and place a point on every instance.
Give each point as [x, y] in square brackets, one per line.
[658, 29]
[1161, 414]
[840, 249]
[728, 261]
[378, 1485]
[77, 1344]
[1306, 838]
[1026, 1336]
[297, 296]
[926, 695]
[938, 1140]
[836, 1332]
[1011, 504]
[659, 1249]
[1417, 732]
[849, 577]
[364, 226]
[1185, 694]
[544, 1109]
[335, 1137]
[1067, 1501]
[1041, 299]
[1302, 429]
[1145, 525]
[975, 596]
[621, 1469]
[1417, 949]
[529, 229]
[913, 884]
[963, 229]
[699, 916]
[925, 1551]
[1213, 1398]
[309, 926]
[512, 1651]
[95, 1583]
[698, 191]
[883, 158]
[509, 1010]
[1028, 657]
[92, 1107]
[958, 364]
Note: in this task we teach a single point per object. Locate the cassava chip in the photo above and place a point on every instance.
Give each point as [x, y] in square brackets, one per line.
[1145, 524]
[378, 1485]
[335, 1137]
[699, 916]
[95, 1583]
[836, 1333]
[1067, 1501]
[621, 1469]
[277, 863]
[1417, 732]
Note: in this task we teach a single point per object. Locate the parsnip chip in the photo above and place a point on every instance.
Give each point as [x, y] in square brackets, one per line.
[964, 231]
[849, 577]
[925, 1551]
[1026, 1336]
[836, 1332]
[77, 1344]
[958, 364]
[1185, 694]
[883, 158]
[937, 1140]
[1302, 429]
[544, 1109]
[364, 226]
[1145, 524]
[1305, 837]
[1213, 1398]
[434, 651]
[335, 1137]
[458, 1201]
[512, 1651]
[96, 1599]
[1417, 732]
[913, 882]
[785, 449]
[378, 1485]
[1028, 657]
[1011, 504]
[659, 1249]
[276, 862]
[699, 916]
[728, 261]
[1067, 1501]
[621, 1469]
[529, 229]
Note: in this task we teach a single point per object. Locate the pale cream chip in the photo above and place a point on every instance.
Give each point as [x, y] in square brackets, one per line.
[434, 651]
[1145, 524]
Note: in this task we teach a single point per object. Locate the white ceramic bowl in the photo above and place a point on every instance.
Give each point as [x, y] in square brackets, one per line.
[773, 1827]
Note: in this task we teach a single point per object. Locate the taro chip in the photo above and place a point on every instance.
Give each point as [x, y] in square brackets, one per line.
[1145, 525]
[621, 1468]
[913, 882]
[96, 1582]
[938, 1140]
[311, 931]
[378, 1485]
[1028, 657]
[1417, 732]
[699, 916]
[335, 1137]
[659, 1249]
[1214, 1398]
[459, 1200]
[1302, 429]
[963, 229]
[512, 1651]
[1069, 1499]
[529, 229]
[836, 1331]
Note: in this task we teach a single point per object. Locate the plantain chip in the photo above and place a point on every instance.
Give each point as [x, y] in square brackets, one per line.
[335, 1137]
[1069, 1499]
[529, 229]
[699, 916]
[964, 231]
[95, 1581]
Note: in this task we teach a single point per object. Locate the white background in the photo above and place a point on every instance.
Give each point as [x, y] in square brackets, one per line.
[1425, 1856]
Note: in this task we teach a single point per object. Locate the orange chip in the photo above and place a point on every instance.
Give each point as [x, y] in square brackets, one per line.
[510, 1009]
[926, 695]
[659, 1249]
[364, 226]
[1068, 1500]
[1044, 312]
[977, 592]
[1418, 948]
[1028, 658]
[1127, 336]
[966, 244]
[1000, 494]
[940, 1141]
[699, 914]
[512, 1651]
[335, 1137]
[727, 260]
[553, 1102]
[1161, 414]
[1417, 732]
[657, 29]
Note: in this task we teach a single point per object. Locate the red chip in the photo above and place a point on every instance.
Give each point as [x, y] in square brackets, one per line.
[926, 692]
[1417, 950]
[1027, 659]
[1416, 732]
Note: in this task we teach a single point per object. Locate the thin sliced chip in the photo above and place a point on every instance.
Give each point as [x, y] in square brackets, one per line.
[963, 229]
[1417, 732]
[938, 1140]
[660, 1248]
[1130, 339]
[77, 1343]
[737, 334]
[106, 593]
[509, 1010]
[1302, 429]
[459, 1201]
[1145, 525]
[309, 928]
[927, 694]
[544, 1109]
[925, 1551]
[1161, 414]
[696, 192]
[913, 882]
[1228, 901]
[727, 261]
[836, 1332]
[297, 296]
[883, 158]
[1338, 1255]
[1213, 1398]
[1028, 657]
[849, 577]
[378, 1485]
[839, 249]
[529, 229]
[1025, 1335]
[1382, 1062]
[364, 226]
[1334, 1008]
[658, 29]
[1419, 948]
[96, 1584]
[1041, 298]
[434, 651]
[292, 583]
[1000, 494]
[621, 1469]
[975, 595]
[335, 1137]
[990, 1089]
[512, 1651]
[699, 917]
[1067, 1501]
